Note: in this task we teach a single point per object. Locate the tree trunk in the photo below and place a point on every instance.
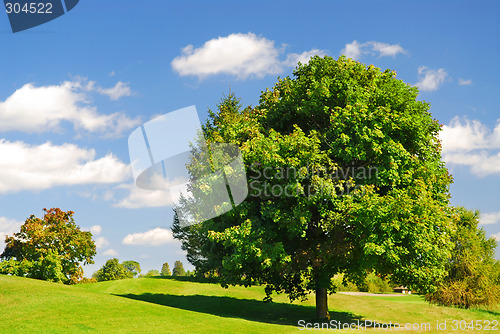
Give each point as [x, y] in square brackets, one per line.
[322, 304]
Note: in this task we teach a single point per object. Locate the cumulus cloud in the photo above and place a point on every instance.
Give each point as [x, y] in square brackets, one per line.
[481, 164]
[120, 90]
[490, 218]
[110, 252]
[155, 237]
[35, 109]
[473, 144]
[464, 82]
[352, 50]
[31, 167]
[96, 229]
[387, 50]
[8, 227]
[137, 198]
[293, 59]
[101, 242]
[466, 135]
[429, 79]
[356, 50]
[241, 55]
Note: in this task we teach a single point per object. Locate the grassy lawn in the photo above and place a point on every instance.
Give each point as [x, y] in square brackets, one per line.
[165, 305]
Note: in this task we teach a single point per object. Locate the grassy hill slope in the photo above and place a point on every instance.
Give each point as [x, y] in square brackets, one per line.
[160, 305]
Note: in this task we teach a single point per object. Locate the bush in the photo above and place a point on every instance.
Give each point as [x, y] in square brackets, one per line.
[152, 273]
[376, 284]
[372, 284]
[86, 280]
[342, 285]
[466, 294]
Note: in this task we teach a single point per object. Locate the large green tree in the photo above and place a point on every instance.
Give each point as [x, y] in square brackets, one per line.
[345, 176]
[50, 248]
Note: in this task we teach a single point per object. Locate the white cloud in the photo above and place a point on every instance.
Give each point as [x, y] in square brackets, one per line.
[27, 167]
[110, 252]
[155, 237]
[241, 55]
[490, 218]
[137, 198]
[293, 59]
[429, 79]
[356, 50]
[8, 227]
[464, 82]
[481, 164]
[101, 242]
[466, 135]
[387, 50]
[42, 109]
[96, 229]
[471, 143]
[352, 50]
[120, 90]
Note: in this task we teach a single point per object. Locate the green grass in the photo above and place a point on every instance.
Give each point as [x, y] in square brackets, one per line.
[158, 305]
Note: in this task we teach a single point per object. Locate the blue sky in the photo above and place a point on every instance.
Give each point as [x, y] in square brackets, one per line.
[72, 90]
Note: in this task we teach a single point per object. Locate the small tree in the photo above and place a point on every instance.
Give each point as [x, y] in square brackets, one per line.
[178, 269]
[472, 270]
[112, 270]
[51, 248]
[133, 267]
[165, 270]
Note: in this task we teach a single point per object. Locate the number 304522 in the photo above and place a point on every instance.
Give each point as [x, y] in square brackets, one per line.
[32, 8]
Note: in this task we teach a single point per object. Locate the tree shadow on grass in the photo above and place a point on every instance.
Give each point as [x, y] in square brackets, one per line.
[248, 309]
[495, 312]
[195, 279]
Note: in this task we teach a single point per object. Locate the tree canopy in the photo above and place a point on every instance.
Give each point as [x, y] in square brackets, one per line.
[345, 176]
[133, 267]
[165, 270]
[51, 248]
[112, 270]
[178, 269]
